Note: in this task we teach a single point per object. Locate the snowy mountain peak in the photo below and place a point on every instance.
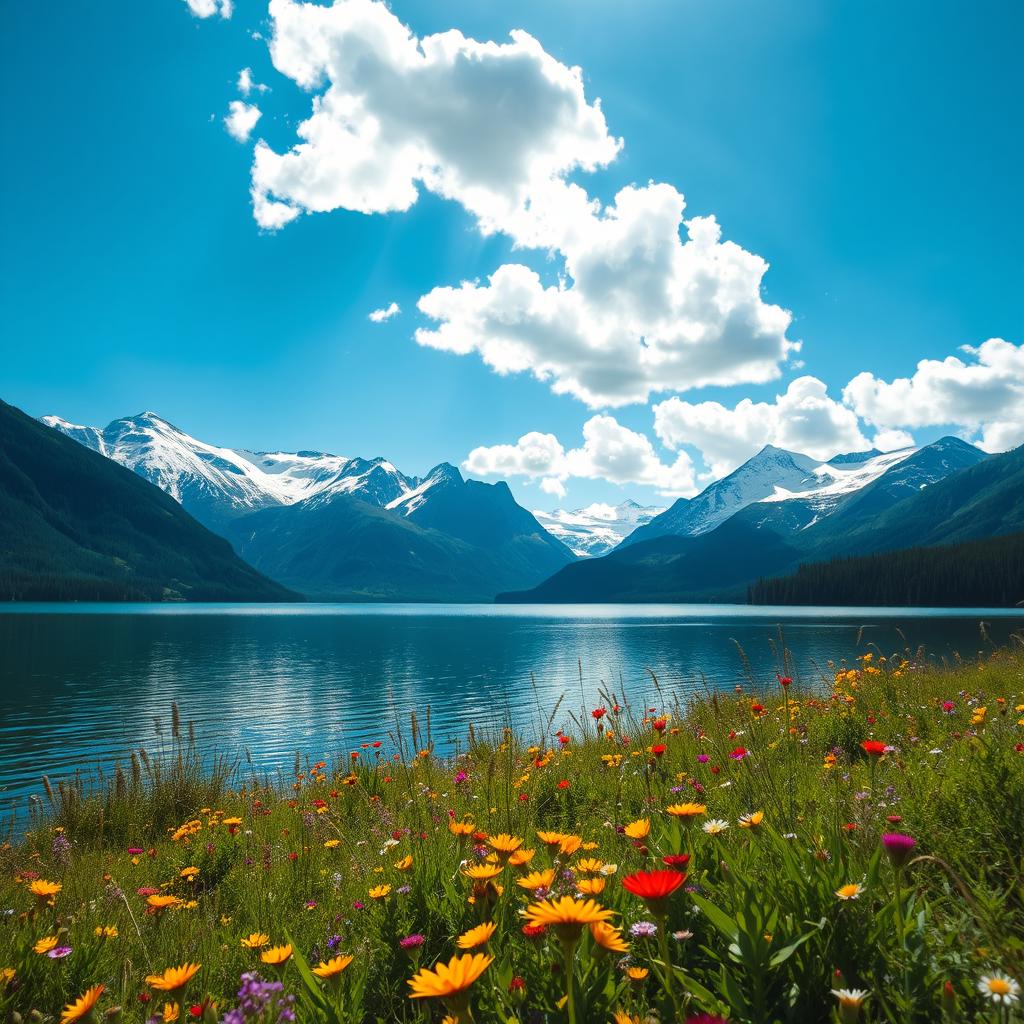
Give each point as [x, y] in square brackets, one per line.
[772, 475]
[598, 528]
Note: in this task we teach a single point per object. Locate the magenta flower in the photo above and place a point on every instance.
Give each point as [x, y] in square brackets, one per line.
[898, 846]
[412, 941]
[703, 758]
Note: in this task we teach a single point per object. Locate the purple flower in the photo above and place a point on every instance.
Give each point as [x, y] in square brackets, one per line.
[898, 846]
[703, 758]
[460, 777]
[61, 849]
[643, 930]
[262, 1001]
[333, 943]
[412, 941]
[404, 890]
[59, 952]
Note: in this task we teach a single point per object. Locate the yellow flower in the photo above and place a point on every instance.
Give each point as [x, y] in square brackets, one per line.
[850, 891]
[550, 838]
[477, 936]
[608, 937]
[752, 820]
[44, 891]
[639, 828]
[537, 879]
[171, 1012]
[566, 915]
[6, 975]
[332, 968]
[173, 978]
[277, 956]
[405, 864]
[591, 886]
[521, 858]
[82, 1007]
[504, 844]
[637, 973]
[482, 872]
[588, 866]
[105, 931]
[232, 822]
[380, 892]
[257, 940]
[621, 1017]
[330, 844]
[451, 978]
[686, 811]
[44, 945]
[461, 828]
[189, 874]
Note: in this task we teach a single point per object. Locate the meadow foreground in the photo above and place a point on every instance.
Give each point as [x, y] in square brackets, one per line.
[780, 853]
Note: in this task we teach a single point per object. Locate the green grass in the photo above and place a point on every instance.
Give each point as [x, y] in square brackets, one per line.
[757, 933]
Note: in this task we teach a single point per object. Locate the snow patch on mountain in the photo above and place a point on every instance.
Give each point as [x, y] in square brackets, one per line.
[596, 529]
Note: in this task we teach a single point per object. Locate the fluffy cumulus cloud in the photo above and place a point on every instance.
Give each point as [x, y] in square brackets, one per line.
[208, 8]
[638, 309]
[241, 119]
[486, 124]
[804, 418]
[645, 311]
[982, 394]
[378, 316]
[609, 451]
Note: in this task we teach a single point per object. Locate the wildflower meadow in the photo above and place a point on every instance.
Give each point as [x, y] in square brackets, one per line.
[843, 849]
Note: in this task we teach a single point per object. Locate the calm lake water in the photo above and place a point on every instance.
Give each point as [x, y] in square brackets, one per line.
[81, 685]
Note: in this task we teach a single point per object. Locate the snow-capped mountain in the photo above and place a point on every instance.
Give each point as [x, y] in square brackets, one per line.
[598, 528]
[340, 527]
[774, 475]
[214, 484]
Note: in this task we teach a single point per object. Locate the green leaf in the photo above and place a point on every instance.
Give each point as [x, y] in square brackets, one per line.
[725, 924]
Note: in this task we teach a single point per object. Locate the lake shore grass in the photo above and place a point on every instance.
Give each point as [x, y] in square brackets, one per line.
[772, 854]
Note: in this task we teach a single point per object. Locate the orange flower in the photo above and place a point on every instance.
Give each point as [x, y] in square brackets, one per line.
[173, 978]
[82, 1007]
[277, 956]
[477, 936]
[451, 980]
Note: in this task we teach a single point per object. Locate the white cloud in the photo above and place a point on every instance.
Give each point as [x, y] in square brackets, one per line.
[804, 419]
[241, 119]
[486, 124]
[983, 395]
[892, 440]
[208, 8]
[378, 316]
[247, 84]
[498, 127]
[645, 312]
[609, 452]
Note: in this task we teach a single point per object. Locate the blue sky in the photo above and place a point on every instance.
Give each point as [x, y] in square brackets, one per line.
[870, 153]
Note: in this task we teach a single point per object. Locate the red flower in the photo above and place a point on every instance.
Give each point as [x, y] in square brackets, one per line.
[676, 860]
[873, 747]
[516, 984]
[658, 749]
[785, 681]
[739, 753]
[534, 931]
[654, 887]
[599, 712]
[659, 724]
[563, 740]
[757, 709]
[564, 784]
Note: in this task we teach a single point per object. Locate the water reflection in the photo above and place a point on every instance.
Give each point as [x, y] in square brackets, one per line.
[81, 685]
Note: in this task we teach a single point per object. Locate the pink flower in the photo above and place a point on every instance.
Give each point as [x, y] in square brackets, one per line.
[739, 753]
[898, 846]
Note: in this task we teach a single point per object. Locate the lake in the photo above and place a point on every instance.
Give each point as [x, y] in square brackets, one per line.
[81, 685]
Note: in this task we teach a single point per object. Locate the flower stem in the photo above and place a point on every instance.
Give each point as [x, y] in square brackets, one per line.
[568, 958]
[669, 970]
